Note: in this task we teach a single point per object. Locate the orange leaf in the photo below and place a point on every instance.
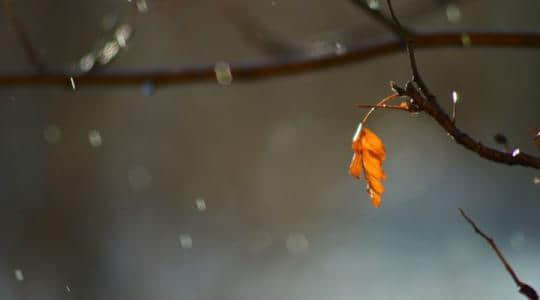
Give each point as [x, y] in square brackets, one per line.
[368, 156]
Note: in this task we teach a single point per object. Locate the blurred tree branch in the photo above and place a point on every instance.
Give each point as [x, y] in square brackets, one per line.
[279, 67]
[29, 50]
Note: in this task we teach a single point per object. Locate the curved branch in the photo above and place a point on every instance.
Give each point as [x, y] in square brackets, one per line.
[432, 108]
[524, 288]
[273, 68]
[423, 100]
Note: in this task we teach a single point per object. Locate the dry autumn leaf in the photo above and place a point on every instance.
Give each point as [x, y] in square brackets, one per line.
[369, 154]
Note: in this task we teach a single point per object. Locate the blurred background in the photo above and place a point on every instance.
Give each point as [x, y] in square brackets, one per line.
[240, 190]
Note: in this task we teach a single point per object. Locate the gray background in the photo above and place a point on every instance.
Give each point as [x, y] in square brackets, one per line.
[283, 219]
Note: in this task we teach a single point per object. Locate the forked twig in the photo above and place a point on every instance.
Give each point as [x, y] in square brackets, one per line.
[524, 288]
[425, 101]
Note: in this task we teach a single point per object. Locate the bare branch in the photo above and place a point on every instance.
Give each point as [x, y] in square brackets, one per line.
[425, 101]
[398, 30]
[524, 288]
[433, 109]
[412, 58]
[274, 68]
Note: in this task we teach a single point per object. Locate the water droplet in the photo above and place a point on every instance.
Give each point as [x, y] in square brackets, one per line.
[68, 289]
[139, 178]
[18, 274]
[108, 52]
[201, 204]
[453, 13]
[87, 62]
[142, 6]
[148, 88]
[455, 96]
[374, 4]
[94, 137]
[536, 180]
[185, 241]
[223, 73]
[466, 40]
[297, 243]
[123, 33]
[72, 82]
[340, 49]
[515, 152]
[52, 134]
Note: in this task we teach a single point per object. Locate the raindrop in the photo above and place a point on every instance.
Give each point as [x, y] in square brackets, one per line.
[148, 88]
[223, 73]
[201, 204]
[108, 52]
[87, 62]
[68, 289]
[374, 4]
[18, 274]
[94, 137]
[340, 49]
[185, 241]
[273, 3]
[455, 96]
[139, 178]
[297, 243]
[142, 6]
[72, 82]
[536, 180]
[52, 134]
[122, 34]
[515, 152]
[453, 13]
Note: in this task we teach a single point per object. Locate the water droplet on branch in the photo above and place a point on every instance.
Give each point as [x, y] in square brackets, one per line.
[223, 73]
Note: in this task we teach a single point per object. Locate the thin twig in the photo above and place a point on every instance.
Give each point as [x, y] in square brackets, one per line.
[410, 40]
[31, 53]
[380, 103]
[399, 31]
[391, 107]
[274, 68]
[524, 288]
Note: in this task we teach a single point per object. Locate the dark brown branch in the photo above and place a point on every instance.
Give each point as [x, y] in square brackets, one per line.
[433, 109]
[31, 53]
[381, 19]
[425, 101]
[410, 39]
[524, 288]
[274, 68]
